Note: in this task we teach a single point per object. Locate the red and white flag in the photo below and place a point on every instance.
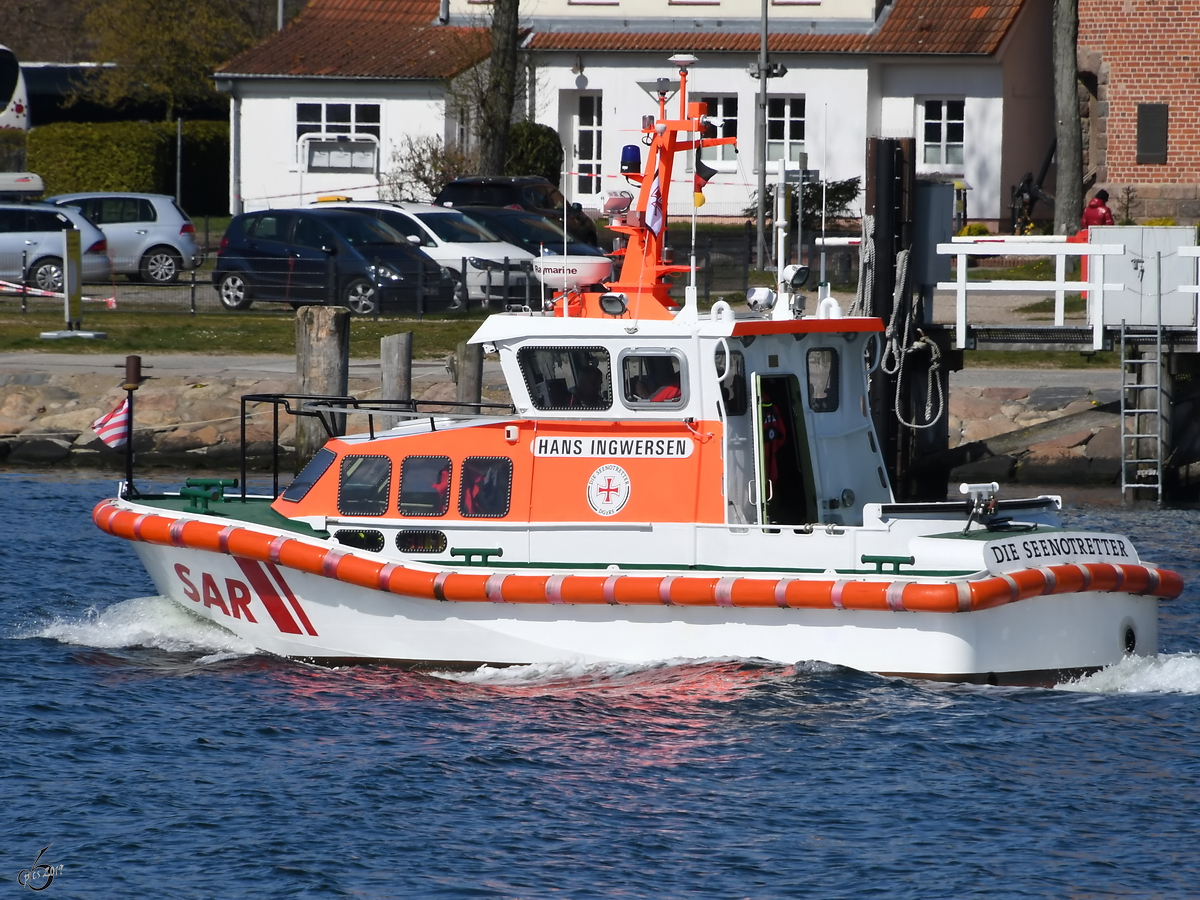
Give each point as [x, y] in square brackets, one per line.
[654, 212]
[113, 429]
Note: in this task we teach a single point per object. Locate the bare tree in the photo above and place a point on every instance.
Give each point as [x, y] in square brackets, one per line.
[1068, 191]
[497, 106]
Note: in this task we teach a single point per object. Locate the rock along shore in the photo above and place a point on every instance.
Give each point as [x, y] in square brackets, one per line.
[1029, 426]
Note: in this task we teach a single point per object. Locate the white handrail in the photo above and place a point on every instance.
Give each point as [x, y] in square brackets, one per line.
[1193, 252]
[1053, 245]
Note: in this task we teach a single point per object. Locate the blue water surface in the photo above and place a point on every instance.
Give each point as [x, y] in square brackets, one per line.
[157, 754]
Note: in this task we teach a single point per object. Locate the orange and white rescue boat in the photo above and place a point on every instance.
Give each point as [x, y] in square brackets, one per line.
[667, 484]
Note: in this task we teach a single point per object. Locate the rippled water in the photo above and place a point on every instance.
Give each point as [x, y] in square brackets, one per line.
[156, 753]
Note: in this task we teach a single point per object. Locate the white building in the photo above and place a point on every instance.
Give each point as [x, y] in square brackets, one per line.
[321, 106]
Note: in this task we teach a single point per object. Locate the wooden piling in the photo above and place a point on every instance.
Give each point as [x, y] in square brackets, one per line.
[322, 367]
[395, 369]
[470, 373]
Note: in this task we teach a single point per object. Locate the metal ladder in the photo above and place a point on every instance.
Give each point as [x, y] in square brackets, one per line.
[1141, 406]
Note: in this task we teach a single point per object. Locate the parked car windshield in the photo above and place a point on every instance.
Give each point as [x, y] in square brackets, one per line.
[543, 197]
[360, 231]
[455, 228]
[526, 228]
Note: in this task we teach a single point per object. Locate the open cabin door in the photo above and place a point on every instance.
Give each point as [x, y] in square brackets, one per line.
[783, 487]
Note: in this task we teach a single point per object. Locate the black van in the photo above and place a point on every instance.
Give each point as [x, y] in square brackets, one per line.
[316, 256]
[531, 192]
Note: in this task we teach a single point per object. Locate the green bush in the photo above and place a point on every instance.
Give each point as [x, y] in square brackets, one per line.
[1161, 220]
[534, 149]
[135, 156]
[974, 229]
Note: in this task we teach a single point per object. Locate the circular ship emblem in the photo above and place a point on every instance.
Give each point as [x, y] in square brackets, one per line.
[608, 490]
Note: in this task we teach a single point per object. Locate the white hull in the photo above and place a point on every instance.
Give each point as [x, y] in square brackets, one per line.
[1034, 640]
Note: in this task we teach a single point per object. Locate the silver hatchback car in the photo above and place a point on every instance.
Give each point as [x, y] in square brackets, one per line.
[149, 237]
[31, 245]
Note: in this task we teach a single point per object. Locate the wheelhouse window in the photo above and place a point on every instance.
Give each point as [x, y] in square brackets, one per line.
[412, 540]
[366, 486]
[567, 377]
[943, 133]
[652, 380]
[425, 485]
[723, 113]
[309, 475]
[823, 381]
[785, 128]
[360, 539]
[486, 486]
[733, 382]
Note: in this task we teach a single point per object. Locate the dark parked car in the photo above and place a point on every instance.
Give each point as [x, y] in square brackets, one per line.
[529, 231]
[314, 256]
[531, 192]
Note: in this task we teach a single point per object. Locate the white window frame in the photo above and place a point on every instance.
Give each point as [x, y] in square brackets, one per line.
[353, 127]
[944, 146]
[723, 158]
[304, 152]
[790, 145]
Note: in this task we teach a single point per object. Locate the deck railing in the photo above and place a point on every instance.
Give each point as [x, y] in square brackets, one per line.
[966, 247]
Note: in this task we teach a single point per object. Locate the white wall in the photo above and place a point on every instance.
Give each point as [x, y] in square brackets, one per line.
[272, 173]
[840, 85]
[981, 85]
[703, 10]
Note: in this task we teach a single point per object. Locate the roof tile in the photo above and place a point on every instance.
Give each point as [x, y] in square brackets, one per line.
[401, 39]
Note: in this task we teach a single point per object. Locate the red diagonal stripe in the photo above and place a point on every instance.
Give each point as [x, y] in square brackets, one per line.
[268, 595]
[287, 592]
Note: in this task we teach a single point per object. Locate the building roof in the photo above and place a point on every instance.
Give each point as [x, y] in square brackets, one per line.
[955, 27]
[402, 39]
[365, 39]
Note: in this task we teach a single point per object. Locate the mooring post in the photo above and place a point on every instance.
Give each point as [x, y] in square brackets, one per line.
[470, 373]
[395, 370]
[322, 367]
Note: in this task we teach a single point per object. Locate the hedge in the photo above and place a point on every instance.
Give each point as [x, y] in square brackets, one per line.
[534, 149]
[134, 156]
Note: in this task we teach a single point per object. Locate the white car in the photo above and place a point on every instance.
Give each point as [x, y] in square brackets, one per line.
[458, 242]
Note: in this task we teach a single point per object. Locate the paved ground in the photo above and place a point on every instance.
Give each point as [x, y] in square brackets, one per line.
[204, 365]
[280, 365]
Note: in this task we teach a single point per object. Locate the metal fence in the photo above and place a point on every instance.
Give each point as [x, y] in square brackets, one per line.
[725, 263]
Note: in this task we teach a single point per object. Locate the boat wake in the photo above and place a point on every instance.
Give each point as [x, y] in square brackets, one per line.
[1171, 673]
[144, 622]
[715, 676]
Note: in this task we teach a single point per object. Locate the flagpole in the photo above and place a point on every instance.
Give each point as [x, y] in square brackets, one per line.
[133, 377]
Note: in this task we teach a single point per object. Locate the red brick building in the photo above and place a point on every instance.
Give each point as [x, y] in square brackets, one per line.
[1139, 64]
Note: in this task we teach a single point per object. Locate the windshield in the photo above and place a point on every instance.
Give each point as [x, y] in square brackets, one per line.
[527, 229]
[360, 231]
[455, 228]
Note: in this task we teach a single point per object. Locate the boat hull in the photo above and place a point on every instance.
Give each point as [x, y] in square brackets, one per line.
[298, 614]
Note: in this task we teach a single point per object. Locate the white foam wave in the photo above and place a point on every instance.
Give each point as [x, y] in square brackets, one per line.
[547, 673]
[153, 622]
[1171, 673]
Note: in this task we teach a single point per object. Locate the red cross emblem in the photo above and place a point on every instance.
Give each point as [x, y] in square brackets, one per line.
[608, 490]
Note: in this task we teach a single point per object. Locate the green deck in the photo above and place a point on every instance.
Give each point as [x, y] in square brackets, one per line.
[255, 511]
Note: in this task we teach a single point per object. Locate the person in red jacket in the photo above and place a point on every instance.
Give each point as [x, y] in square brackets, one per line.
[1097, 212]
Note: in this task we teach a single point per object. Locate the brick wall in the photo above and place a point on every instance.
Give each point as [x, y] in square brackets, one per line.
[1141, 51]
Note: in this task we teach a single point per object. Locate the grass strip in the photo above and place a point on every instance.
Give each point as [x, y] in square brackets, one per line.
[222, 333]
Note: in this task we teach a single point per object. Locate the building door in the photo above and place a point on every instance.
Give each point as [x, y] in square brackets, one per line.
[586, 184]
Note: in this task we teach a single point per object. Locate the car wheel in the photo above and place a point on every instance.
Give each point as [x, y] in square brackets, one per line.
[360, 297]
[235, 293]
[46, 274]
[161, 265]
